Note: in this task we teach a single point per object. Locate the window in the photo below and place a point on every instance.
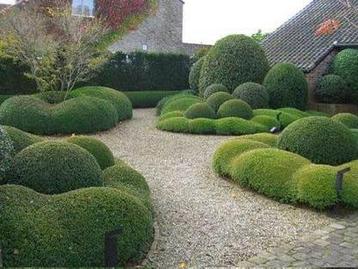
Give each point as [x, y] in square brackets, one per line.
[84, 8]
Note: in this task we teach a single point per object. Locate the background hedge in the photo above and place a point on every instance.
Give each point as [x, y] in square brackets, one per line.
[194, 74]
[147, 99]
[332, 89]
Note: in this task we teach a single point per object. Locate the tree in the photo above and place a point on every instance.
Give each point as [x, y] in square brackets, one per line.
[59, 49]
[259, 36]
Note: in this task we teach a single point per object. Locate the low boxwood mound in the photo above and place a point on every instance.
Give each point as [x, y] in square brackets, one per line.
[254, 94]
[285, 119]
[171, 115]
[119, 100]
[348, 119]
[52, 97]
[234, 126]
[299, 113]
[235, 108]
[164, 101]
[217, 99]
[320, 139]
[332, 89]
[55, 167]
[214, 88]
[349, 195]
[202, 126]
[175, 124]
[194, 74]
[67, 230]
[287, 86]
[180, 103]
[269, 122]
[21, 139]
[269, 139]
[97, 148]
[6, 153]
[200, 110]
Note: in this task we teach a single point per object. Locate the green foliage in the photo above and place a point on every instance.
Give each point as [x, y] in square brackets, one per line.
[332, 89]
[348, 119]
[4, 97]
[176, 124]
[171, 98]
[52, 97]
[199, 54]
[180, 103]
[269, 139]
[148, 99]
[171, 115]
[6, 153]
[21, 139]
[98, 149]
[217, 99]
[297, 113]
[267, 121]
[55, 167]
[200, 110]
[214, 88]
[286, 86]
[234, 126]
[349, 195]
[234, 60]
[254, 94]
[202, 126]
[194, 74]
[284, 118]
[319, 139]
[235, 108]
[259, 36]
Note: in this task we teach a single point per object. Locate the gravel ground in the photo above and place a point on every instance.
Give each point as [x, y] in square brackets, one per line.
[202, 220]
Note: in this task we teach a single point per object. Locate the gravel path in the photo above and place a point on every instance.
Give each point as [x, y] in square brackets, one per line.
[202, 220]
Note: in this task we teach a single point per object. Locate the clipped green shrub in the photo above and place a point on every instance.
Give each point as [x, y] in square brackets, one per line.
[349, 195]
[284, 118]
[148, 99]
[332, 89]
[235, 108]
[217, 99]
[268, 171]
[97, 148]
[234, 60]
[52, 97]
[234, 126]
[231, 149]
[348, 119]
[296, 112]
[67, 230]
[173, 114]
[267, 121]
[286, 86]
[176, 124]
[319, 139]
[252, 93]
[4, 97]
[181, 103]
[6, 153]
[316, 185]
[200, 110]
[55, 167]
[119, 100]
[202, 126]
[214, 88]
[269, 139]
[21, 139]
[170, 98]
[194, 74]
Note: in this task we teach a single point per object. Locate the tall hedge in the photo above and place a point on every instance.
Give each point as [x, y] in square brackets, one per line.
[144, 71]
[234, 60]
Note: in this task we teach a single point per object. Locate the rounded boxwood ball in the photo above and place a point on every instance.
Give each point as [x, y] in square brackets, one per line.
[234, 60]
[286, 86]
[175, 124]
[214, 88]
[348, 119]
[254, 94]
[217, 99]
[332, 89]
[320, 139]
[21, 139]
[235, 108]
[6, 153]
[97, 148]
[194, 74]
[200, 110]
[202, 126]
[55, 167]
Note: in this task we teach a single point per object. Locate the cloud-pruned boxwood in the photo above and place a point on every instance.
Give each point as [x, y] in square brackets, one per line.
[180, 103]
[175, 124]
[285, 119]
[6, 153]
[55, 167]
[148, 99]
[171, 115]
[202, 126]
[348, 119]
[21, 139]
[269, 122]
[332, 89]
[233, 60]
[214, 88]
[254, 94]
[235, 108]
[194, 74]
[164, 101]
[200, 110]
[349, 195]
[217, 99]
[320, 139]
[234, 126]
[287, 86]
[266, 138]
[98, 149]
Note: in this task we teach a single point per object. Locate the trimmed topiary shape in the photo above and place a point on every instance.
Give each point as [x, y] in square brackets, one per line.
[235, 108]
[348, 119]
[269, 139]
[98, 149]
[286, 86]
[214, 88]
[234, 126]
[319, 139]
[349, 195]
[55, 167]
[180, 103]
[234, 60]
[194, 74]
[284, 118]
[21, 139]
[217, 99]
[176, 124]
[200, 110]
[202, 126]
[6, 153]
[254, 94]
[269, 122]
[332, 89]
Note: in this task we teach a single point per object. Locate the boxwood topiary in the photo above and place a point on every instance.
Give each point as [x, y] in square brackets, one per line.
[285, 119]
[21, 139]
[55, 167]
[269, 139]
[214, 88]
[202, 126]
[349, 195]
[180, 103]
[235, 108]
[286, 86]
[217, 99]
[332, 89]
[348, 119]
[194, 74]
[97, 148]
[252, 93]
[176, 124]
[319, 139]
[6, 153]
[200, 110]
[234, 126]
[171, 115]
[269, 122]
[232, 61]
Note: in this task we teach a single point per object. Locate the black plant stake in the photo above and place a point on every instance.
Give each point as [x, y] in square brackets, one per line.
[110, 247]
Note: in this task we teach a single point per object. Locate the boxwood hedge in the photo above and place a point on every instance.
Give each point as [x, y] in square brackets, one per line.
[348, 119]
[217, 99]
[214, 88]
[235, 108]
[200, 110]
[254, 94]
[332, 89]
[21, 139]
[6, 153]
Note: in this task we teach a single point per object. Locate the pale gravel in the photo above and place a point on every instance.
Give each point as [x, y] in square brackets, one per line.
[202, 220]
